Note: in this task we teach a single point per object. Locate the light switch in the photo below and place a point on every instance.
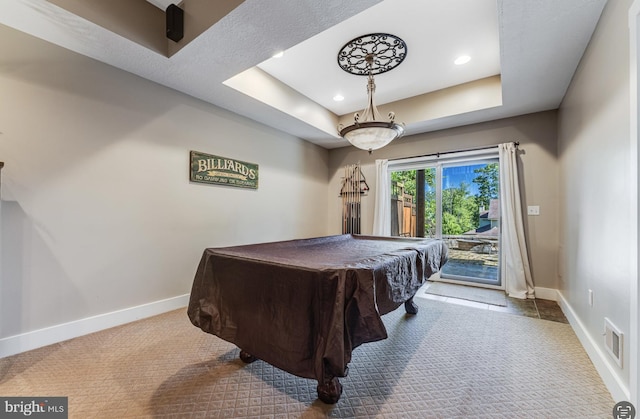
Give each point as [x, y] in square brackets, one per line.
[533, 210]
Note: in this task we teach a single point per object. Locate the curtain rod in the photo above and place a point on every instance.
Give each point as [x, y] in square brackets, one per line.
[515, 143]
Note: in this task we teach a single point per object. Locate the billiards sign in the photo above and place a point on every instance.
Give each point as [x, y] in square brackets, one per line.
[207, 168]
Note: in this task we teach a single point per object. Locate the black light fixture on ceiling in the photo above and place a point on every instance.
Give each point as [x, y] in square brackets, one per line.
[369, 55]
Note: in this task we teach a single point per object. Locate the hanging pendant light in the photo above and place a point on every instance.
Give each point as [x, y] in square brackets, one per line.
[368, 55]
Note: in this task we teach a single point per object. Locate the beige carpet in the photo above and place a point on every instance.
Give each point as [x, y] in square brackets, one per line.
[449, 361]
[481, 295]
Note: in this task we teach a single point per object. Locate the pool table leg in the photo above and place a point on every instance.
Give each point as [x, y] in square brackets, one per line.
[246, 357]
[410, 307]
[330, 390]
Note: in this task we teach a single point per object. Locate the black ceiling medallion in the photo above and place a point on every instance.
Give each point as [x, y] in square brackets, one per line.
[388, 52]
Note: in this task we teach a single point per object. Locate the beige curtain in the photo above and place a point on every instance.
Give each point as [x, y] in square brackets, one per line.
[382, 206]
[515, 271]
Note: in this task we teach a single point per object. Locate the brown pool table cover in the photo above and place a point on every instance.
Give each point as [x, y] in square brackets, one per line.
[304, 305]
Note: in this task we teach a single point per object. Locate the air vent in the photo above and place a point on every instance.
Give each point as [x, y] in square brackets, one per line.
[613, 341]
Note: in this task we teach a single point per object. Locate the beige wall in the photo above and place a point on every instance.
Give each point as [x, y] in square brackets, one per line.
[594, 152]
[98, 213]
[538, 169]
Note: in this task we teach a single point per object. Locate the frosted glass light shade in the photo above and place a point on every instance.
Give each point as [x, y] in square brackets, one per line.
[372, 135]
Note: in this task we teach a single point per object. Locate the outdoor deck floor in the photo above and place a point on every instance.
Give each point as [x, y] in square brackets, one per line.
[471, 264]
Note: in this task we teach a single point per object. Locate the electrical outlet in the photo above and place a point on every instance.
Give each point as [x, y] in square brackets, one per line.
[533, 210]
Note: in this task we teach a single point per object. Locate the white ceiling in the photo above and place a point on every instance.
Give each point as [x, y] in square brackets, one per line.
[534, 45]
[163, 4]
[467, 27]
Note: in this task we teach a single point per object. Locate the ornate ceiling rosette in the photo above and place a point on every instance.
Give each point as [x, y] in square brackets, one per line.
[387, 51]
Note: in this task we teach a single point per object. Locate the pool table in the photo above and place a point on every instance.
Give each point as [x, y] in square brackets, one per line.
[304, 305]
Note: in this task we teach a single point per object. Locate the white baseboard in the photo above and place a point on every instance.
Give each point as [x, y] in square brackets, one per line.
[546, 293]
[619, 391]
[38, 338]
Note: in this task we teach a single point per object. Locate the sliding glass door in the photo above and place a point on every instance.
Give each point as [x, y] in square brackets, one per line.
[455, 199]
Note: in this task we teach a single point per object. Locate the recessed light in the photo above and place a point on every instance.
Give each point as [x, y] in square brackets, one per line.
[278, 54]
[338, 98]
[463, 59]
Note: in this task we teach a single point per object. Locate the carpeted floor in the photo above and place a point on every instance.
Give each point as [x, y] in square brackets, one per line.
[449, 361]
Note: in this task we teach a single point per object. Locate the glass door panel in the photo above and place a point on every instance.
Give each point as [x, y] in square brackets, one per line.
[457, 202]
[431, 215]
[403, 207]
[470, 221]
